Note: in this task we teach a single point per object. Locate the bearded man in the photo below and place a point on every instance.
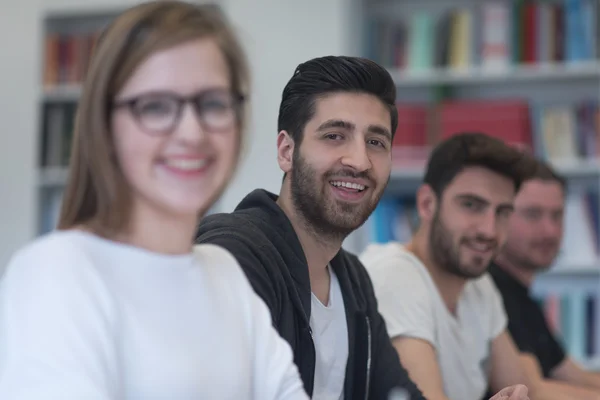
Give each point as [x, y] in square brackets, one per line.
[443, 313]
[336, 122]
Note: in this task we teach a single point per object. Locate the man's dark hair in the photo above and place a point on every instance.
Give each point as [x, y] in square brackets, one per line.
[463, 150]
[324, 75]
[545, 172]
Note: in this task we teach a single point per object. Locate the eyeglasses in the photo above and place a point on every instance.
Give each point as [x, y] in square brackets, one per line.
[159, 113]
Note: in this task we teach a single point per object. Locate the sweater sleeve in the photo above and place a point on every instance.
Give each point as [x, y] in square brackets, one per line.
[56, 338]
[248, 258]
[277, 376]
[274, 374]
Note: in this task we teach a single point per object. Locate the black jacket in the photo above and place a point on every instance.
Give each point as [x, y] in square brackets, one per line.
[262, 239]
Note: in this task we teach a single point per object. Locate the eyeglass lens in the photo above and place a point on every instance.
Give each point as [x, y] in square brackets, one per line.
[160, 112]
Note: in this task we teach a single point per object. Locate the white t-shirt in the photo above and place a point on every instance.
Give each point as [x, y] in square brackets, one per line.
[82, 317]
[411, 305]
[330, 335]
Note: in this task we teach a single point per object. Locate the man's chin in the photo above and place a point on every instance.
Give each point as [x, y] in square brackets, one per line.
[474, 271]
[541, 267]
[347, 225]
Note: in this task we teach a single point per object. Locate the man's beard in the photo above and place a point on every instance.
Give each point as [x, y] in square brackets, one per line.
[322, 214]
[524, 262]
[446, 255]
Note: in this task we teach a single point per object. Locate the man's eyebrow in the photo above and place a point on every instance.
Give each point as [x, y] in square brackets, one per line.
[472, 197]
[336, 123]
[380, 130]
[481, 200]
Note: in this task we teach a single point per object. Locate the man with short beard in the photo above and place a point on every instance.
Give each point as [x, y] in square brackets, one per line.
[535, 232]
[443, 314]
[336, 123]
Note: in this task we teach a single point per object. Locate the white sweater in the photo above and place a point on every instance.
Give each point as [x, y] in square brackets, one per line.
[84, 318]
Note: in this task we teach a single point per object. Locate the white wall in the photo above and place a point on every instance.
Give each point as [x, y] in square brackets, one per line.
[278, 34]
[18, 116]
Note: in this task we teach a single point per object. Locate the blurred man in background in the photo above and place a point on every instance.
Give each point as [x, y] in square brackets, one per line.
[535, 232]
[442, 312]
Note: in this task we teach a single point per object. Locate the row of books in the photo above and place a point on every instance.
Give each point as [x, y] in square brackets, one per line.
[66, 57]
[50, 204]
[553, 131]
[573, 318]
[494, 34]
[57, 133]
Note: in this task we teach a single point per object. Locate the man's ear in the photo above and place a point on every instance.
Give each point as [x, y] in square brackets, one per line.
[427, 203]
[285, 151]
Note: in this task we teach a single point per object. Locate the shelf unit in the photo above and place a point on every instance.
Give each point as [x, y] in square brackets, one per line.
[68, 41]
[62, 92]
[551, 72]
[563, 81]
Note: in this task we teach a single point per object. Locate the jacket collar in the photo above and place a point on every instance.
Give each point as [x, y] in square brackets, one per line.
[276, 225]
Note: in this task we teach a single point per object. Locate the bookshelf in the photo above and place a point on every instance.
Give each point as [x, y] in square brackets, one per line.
[68, 41]
[525, 71]
[67, 44]
[474, 75]
[62, 92]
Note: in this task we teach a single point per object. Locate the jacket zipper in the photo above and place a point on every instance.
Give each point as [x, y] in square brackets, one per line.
[368, 358]
[312, 339]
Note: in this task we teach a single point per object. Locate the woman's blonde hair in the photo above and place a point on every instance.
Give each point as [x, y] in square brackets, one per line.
[97, 194]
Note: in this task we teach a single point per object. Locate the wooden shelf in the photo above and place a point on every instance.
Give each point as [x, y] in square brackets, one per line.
[591, 364]
[407, 172]
[406, 178]
[565, 276]
[53, 177]
[62, 93]
[577, 168]
[591, 271]
[571, 168]
[477, 75]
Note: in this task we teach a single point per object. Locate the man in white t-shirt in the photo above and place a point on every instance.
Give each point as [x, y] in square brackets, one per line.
[442, 311]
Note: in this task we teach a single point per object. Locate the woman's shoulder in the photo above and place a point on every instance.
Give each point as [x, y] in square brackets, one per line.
[222, 270]
[59, 258]
[216, 260]
[65, 245]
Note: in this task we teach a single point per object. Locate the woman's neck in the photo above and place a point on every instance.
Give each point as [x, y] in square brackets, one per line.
[160, 232]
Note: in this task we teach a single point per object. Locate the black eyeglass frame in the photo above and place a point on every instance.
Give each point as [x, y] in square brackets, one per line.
[194, 99]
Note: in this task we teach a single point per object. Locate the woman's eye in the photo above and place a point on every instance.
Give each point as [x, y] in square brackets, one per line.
[155, 107]
[215, 105]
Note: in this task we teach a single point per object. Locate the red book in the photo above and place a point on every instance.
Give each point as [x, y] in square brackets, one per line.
[530, 34]
[412, 126]
[504, 119]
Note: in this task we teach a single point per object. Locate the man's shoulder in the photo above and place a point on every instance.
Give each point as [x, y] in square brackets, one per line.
[392, 259]
[238, 227]
[388, 267]
[232, 221]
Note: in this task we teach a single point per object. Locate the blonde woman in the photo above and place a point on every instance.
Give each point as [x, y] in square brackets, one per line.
[116, 304]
